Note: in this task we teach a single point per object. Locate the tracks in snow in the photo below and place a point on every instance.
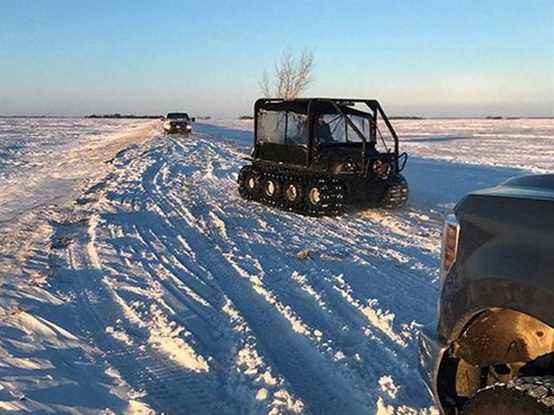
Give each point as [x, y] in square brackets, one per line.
[199, 301]
[164, 383]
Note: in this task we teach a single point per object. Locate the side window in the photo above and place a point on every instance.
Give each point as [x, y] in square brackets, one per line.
[297, 129]
[282, 128]
[271, 127]
[363, 126]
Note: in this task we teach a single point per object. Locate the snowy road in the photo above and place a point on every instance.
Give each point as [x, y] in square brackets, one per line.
[162, 291]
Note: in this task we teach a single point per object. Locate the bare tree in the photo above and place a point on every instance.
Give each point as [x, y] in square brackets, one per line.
[291, 75]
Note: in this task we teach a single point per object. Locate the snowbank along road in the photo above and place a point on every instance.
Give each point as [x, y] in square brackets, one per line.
[159, 290]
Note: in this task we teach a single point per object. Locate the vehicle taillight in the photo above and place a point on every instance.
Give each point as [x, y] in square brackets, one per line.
[450, 237]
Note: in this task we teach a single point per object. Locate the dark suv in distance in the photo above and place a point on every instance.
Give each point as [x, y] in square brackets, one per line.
[177, 122]
[493, 349]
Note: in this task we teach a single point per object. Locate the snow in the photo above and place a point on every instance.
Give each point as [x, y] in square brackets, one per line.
[135, 280]
[41, 158]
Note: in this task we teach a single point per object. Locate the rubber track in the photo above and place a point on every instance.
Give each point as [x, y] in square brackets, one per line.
[397, 194]
[332, 190]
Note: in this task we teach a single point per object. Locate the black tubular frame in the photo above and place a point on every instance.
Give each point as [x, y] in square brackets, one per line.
[372, 104]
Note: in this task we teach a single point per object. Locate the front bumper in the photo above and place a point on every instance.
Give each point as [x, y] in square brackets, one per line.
[431, 352]
[178, 128]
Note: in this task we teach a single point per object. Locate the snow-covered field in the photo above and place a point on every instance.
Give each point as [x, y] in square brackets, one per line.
[146, 285]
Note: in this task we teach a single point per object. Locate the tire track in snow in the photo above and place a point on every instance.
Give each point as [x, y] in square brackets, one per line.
[169, 388]
[160, 239]
[309, 374]
[385, 269]
[204, 211]
[395, 280]
[176, 242]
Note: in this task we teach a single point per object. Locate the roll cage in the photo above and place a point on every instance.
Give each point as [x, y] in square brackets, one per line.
[315, 107]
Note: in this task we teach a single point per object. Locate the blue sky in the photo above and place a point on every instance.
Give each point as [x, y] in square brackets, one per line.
[434, 58]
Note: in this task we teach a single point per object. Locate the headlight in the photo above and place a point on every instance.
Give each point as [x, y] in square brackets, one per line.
[188, 127]
[450, 239]
[381, 168]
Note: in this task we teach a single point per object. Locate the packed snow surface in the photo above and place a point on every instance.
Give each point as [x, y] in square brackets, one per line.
[133, 278]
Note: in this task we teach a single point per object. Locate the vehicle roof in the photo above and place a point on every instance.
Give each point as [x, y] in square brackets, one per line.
[317, 105]
[370, 101]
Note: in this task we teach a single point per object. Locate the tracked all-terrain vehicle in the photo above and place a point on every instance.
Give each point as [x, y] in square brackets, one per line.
[314, 156]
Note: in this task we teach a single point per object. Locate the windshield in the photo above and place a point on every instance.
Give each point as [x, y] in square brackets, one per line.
[176, 115]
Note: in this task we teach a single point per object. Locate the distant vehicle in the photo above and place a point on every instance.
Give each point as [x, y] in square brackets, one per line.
[314, 155]
[493, 349]
[177, 122]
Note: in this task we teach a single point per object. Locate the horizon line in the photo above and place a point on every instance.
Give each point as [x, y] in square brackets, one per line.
[407, 117]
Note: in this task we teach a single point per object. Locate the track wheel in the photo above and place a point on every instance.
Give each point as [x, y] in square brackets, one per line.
[315, 199]
[249, 182]
[314, 196]
[523, 396]
[272, 188]
[293, 193]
